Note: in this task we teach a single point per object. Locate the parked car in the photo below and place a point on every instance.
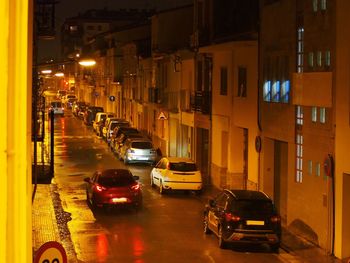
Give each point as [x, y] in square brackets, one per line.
[175, 173]
[123, 129]
[61, 93]
[77, 107]
[100, 116]
[113, 187]
[115, 124]
[138, 151]
[117, 142]
[107, 125]
[243, 216]
[90, 114]
[57, 108]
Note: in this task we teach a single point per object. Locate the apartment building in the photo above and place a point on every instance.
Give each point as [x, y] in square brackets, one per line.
[303, 125]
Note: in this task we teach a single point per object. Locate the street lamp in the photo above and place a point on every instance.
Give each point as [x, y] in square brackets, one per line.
[87, 62]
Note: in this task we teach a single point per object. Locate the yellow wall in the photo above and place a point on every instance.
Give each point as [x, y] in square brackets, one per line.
[15, 144]
[342, 138]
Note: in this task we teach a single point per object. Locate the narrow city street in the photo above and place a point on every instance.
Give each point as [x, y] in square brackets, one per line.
[167, 229]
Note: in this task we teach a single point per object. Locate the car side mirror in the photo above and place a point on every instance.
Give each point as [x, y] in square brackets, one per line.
[87, 179]
[136, 177]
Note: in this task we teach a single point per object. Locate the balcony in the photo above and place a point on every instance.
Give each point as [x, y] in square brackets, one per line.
[201, 102]
[312, 89]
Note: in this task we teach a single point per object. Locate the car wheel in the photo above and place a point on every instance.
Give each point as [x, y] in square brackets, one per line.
[206, 229]
[161, 188]
[222, 243]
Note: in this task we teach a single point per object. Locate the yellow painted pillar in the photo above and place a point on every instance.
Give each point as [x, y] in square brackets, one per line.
[15, 132]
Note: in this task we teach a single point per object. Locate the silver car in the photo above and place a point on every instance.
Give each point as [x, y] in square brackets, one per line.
[138, 150]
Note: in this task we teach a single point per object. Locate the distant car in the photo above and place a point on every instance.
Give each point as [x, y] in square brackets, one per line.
[90, 114]
[119, 141]
[100, 116]
[175, 173]
[113, 187]
[106, 128]
[61, 93]
[138, 150]
[57, 108]
[115, 124]
[77, 107]
[243, 216]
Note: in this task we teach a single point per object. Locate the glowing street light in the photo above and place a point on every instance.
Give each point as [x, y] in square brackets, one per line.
[59, 74]
[46, 71]
[87, 62]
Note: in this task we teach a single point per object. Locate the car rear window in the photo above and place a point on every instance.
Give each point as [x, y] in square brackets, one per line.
[116, 181]
[56, 104]
[183, 167]
[252, 208]
[142, 145]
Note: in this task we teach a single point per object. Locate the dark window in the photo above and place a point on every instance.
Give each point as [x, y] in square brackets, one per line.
[142, 145]
[242, 82]
[252, 208]
[116, 181]
[223, 81]
[183, 167]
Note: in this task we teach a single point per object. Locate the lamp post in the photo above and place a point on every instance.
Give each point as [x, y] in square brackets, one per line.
[86, 64]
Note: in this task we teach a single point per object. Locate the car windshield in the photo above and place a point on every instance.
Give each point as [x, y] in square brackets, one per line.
[183, 167]
[116, 181]
[142, 145]
[252, 208]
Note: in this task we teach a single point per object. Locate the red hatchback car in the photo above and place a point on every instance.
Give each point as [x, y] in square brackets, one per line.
[113, 187]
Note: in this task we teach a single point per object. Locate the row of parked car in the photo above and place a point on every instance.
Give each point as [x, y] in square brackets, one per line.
[234, 216]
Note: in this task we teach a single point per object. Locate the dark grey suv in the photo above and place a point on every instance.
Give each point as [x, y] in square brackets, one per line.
[243, 216]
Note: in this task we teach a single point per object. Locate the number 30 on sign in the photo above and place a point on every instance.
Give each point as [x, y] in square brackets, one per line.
[51, 252]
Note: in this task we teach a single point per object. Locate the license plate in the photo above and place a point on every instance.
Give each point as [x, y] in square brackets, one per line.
[255, 223]
[119, 200]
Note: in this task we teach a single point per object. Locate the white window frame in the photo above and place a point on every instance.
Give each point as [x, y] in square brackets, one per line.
[323, 5]
[327, 58]
[319, 58]
[322, 115]
[314, 114]
[315, 5]
[267, 90]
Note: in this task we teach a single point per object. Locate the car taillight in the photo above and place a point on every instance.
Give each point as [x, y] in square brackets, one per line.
[275, 219]
[135, 187]
[230, 217]
[100, 188]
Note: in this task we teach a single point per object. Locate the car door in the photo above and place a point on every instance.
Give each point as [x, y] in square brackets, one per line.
[158, 171]
[216, 211]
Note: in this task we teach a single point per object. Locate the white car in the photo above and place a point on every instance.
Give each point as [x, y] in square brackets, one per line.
[175, 173]
[57, 108]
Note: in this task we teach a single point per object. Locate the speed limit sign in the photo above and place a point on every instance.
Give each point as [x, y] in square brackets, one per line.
[51, 252]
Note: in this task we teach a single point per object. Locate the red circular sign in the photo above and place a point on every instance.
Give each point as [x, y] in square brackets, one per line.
[51, 252]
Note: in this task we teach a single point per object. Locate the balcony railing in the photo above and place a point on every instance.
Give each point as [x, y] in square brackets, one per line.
[201, 102]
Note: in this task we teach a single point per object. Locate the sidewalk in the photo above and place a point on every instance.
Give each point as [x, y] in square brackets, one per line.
[46, 228]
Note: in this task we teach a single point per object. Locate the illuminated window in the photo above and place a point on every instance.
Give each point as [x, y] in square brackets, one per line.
[314, 5]
[323, 4]
[299, 158]
[319, 58]
[322, 115]
[285, 88]
[73, 28]
[317, 169]
[309, 167]
[300, 50]
[311, 59]
[314, 114]
[299, 115]
[275, 93]
[327, 58]
[267, 90]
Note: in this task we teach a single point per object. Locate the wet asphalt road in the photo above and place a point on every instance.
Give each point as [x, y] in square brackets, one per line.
[167, 229]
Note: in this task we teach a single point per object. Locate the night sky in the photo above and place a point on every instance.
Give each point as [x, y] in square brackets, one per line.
[70, 8]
